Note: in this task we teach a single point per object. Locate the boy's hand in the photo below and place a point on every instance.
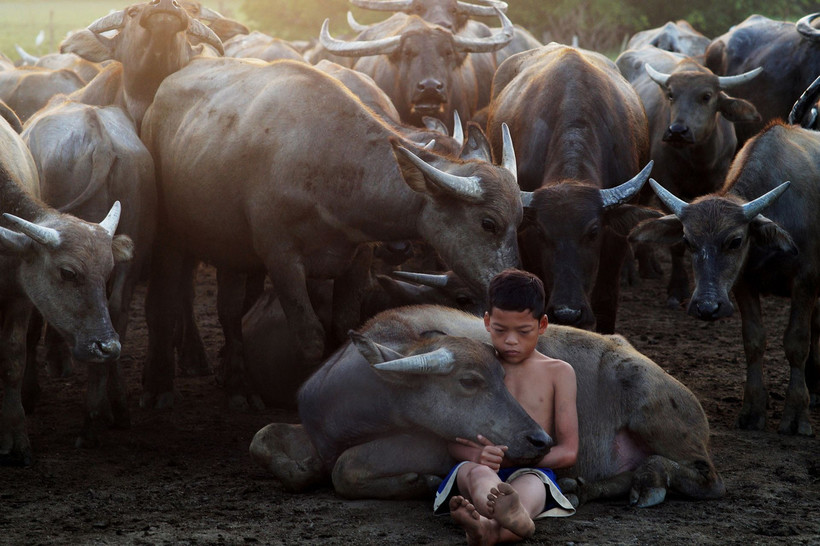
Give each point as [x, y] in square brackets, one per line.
[490, 454]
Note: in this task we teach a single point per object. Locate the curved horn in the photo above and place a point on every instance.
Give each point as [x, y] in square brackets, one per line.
[672, 203]
[805, 102]
[465, 186]
[508, 153]
[475, 10]
[804, 27]
[386, 5]
[526, 198]
[382, 46]
[753, 208]
[112, 21]
[354, 24]
[492, 43]
[439, 362]
[434, 281]
[458, 130]
[727, 82]
[205, 34]
[658, 77]
[623, 193]
[44, 235]
[109, 223]
[430, 145]
[27, 57]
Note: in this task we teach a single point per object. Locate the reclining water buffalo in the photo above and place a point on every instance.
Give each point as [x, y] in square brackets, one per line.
[301, 174]
[376, 418]
[691, 131]
[56, 263]
[736, 248]
[583, 135]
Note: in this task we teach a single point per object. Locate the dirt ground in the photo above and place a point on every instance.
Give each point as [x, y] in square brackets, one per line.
[184, 476]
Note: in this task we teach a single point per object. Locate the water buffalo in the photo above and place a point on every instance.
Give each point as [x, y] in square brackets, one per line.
[378, 415]
[691, 130]
[679, 37]
[224, 27]
[425, 69]
[789, 54]
[302, 174]
[261, 46]
[28, 88]
[56, 263]
[86, 70]
[582, 132]
[152, 41]
[736, 248]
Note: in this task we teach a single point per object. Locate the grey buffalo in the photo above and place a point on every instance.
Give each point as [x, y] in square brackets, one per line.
[376, 418]
[735, 248]
[679, 37]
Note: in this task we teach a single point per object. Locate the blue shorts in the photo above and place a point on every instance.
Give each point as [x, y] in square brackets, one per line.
[556, 504]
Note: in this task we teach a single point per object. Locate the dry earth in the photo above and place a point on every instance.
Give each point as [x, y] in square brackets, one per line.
[184, 476]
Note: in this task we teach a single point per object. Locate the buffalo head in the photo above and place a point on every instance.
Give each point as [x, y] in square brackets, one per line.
[449, 14]
[718, 230]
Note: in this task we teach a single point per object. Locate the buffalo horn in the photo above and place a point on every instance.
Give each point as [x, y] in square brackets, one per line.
[112, 21]
[109, 223]
[805, 102]
[44, 235]
[465, 186]
[458, 130]
[201, 31]
[475, 10]
[382, 46]
[658, 77]
[27, 57]
[507, 152]
[727, 82]
[526, 198]
[386, 5]
[491, 43]
[753, 208]
[354, 24]
[439, 362]
[623, 193]
[207, 14]
[805, 29]
[430, 145]
[434, 281]
[672, 203]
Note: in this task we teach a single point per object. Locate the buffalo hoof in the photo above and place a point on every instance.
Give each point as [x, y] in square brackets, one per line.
[796, 425]
[150, 400]
[647, 497]
[286, 451]
[574, 490]
[17, 458]
[751, 421]
[30, 398]
[243, 402]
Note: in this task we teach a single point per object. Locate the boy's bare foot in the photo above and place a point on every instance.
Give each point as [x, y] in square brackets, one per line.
[505, 507]
[465, 514]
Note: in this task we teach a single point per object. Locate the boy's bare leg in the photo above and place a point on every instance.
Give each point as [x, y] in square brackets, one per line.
[465, 514]
[514, 507]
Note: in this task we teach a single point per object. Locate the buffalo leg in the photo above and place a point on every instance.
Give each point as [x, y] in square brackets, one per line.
[677, 291]
[648, 265]
[286, 451]
[755, 396]
[15, 448]
[31, 377]
[605, 293]
[58, 355]
[348, 293]
[193, 360]
[813, 363]
[797, 341]
[403, 466]
[291, 286]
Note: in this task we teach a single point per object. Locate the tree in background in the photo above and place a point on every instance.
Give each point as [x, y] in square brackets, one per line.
[601, 25]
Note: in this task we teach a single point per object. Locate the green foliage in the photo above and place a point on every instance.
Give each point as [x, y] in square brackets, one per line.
[302, 19]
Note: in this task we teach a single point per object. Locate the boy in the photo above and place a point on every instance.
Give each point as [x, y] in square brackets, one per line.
[489, 508]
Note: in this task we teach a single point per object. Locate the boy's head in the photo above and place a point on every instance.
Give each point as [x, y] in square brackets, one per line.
[515, 314]
[516, 290]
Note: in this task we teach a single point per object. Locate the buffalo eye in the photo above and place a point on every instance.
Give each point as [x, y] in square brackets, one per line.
[464, 301]
[706, 97]
[68, 275]
[471, 382]
[735, 243]
[487, 224]
[592, 234]
[670, 96]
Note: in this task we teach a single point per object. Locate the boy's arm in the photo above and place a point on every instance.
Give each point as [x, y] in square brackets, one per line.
[565, 451]
[485, 452]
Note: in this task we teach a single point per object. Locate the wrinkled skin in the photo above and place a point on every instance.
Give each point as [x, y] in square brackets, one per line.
[566, 156]
[290, 214]
[774, 254]
[654, 436]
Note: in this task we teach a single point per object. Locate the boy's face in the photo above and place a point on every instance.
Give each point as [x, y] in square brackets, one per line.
[514, 333]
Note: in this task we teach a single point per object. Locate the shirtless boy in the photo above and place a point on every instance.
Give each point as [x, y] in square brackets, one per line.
[489, 508]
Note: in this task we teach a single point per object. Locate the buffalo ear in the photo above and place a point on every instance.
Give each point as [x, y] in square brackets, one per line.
[476, 145]
[768, 233]
[13, 242]
[735, 110]
[90, 46]
[625, 217]
[372, 351]
[123, 248]
[667, 230]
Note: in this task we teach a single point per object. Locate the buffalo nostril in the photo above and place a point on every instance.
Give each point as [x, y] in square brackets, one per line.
[539, 441]
[567, 315]
[708, 309]
[109, 349]
[678, 129]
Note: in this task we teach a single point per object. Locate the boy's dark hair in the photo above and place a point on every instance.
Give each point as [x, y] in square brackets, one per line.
[516, 290]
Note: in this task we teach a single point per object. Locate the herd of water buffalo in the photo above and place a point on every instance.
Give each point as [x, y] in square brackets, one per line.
[335, 181]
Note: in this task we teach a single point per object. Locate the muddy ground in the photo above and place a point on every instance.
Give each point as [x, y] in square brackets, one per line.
[184, 476]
